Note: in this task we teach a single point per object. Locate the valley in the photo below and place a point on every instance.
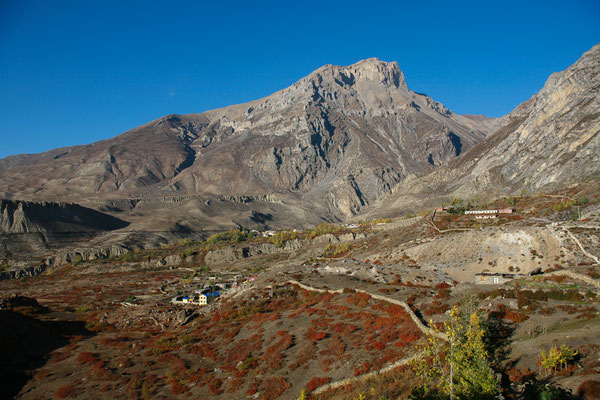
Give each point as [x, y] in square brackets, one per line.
[329, 304]
[351, 238]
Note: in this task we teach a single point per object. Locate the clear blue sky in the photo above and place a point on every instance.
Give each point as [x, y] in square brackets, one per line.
[74, 72]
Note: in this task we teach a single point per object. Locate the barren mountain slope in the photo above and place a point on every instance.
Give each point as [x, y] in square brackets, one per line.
[340, 138]
[551, 140]
[129, 163]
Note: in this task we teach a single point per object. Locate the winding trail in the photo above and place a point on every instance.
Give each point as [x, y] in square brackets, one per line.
[593, 257]
[364, 377]
[387, 368]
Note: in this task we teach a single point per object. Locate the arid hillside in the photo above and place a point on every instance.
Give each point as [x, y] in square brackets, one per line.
[550, 141]
[334, 311]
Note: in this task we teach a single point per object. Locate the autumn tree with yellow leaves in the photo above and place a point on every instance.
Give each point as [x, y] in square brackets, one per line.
[556, 357]
[456, 368]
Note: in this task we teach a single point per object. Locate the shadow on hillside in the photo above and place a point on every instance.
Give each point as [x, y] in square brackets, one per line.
[535, 389]
[25, 343]
[498, 337]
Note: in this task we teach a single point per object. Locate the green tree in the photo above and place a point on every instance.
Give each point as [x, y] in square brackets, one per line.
[459, 367]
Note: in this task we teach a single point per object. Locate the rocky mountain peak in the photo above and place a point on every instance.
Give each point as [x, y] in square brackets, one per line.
[369, 71]
[375, 70]
[339, 138]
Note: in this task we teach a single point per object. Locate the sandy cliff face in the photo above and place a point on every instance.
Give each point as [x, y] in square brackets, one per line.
[126, 164]
[341, 138]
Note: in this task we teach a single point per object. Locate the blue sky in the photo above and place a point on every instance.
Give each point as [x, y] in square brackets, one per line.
[74, 72]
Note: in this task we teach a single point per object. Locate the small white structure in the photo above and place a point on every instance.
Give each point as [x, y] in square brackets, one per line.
[486, 216]
[483, 212]
[505, 211]
[490, 278]
[200, 300]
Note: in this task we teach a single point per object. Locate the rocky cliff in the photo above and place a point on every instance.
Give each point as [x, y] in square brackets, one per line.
[336, 143]
[551, 140]
[31, 217]
[339, 139]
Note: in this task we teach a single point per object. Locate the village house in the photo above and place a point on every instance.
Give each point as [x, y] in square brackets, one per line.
[202, 300]
[492, 278]
[184, 300]
[488, 212]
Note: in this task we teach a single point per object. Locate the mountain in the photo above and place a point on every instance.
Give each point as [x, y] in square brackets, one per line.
[338, 139]
[339, 143]
[551, 140]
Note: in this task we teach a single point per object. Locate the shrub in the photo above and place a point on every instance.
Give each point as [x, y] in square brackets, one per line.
[229, 236]
[149, 387]
[323, 229]
[64, 391]
[315, 336]
[280, 238]
[435, 308]
[254, 385]
[442, 285]
[326, 363]
[336, 346]
[41, 375]
[317, 382]
[556, 357]
[215, 386]
[516, 375]
[363, 369]
[134, 384]
[177, 387]
[337, 251]
[272, 355]
[505, 313]
[303, 354]
[86, 358]
[589, 389]
[273, 387]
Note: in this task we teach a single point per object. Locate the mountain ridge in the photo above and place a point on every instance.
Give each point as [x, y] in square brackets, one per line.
[340, 141]
[307, 139]
[548, 141]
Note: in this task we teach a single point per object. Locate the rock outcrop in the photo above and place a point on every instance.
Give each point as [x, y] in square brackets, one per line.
[28, 217]
[549, 141]
[556, 136]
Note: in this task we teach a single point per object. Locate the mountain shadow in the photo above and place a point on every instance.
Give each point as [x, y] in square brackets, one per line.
[25, 342]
